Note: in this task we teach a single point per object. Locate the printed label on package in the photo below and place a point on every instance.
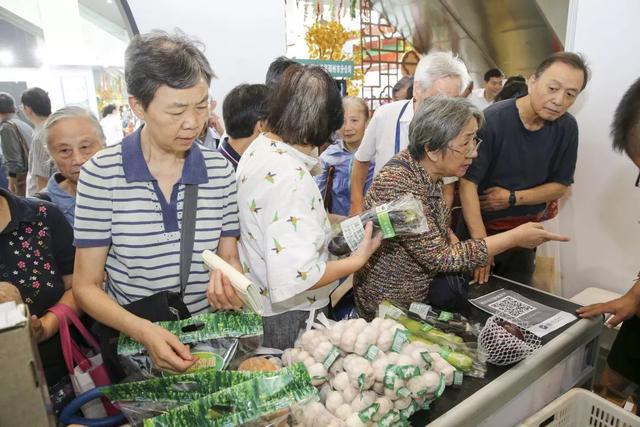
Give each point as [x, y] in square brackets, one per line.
[353, 231]
[331, 357]
[384, 221]
[420, 309]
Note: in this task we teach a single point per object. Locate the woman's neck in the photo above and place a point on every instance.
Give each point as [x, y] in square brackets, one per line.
[431, 168]
[352, 147]
[70, 187]
[303, 148]
[153, 152]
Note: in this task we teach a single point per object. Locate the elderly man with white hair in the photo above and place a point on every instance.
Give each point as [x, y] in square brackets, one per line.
[73, 135]
[438, 73]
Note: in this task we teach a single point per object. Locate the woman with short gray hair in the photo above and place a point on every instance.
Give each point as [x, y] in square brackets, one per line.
[133, 198]
[442, 142]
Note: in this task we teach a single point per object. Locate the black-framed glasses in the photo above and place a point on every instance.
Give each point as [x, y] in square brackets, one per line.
[638, 180]
[471, 151]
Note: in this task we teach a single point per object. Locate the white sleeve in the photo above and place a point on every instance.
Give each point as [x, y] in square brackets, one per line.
[367, 150]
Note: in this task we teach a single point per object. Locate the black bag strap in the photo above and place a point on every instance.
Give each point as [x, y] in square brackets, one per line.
[329, 188]
[187, 235]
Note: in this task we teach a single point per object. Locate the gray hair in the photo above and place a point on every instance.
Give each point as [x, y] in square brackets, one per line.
[159, 58]
[70, 112]
[439, 120]
[438, 65]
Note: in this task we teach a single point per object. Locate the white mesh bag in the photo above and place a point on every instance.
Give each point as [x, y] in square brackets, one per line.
[505, 340]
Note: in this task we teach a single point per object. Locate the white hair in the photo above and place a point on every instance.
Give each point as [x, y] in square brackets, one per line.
[438, 65]
[67, 113]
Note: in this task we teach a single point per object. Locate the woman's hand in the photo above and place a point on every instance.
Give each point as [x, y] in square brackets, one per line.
[221, 293]
[37, 329]
[481, 274]
[165, 349]
[533, 234]
[368, 246]
[44, 327]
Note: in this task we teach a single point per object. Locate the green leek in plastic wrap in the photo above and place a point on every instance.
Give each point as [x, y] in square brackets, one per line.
[451, 347]
[243, 402]
[145, 399]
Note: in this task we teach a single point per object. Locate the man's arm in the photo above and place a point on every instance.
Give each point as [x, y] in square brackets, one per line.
[497, 198]
[473, 218]
[622, 308]
[471, 208]
[359, 174]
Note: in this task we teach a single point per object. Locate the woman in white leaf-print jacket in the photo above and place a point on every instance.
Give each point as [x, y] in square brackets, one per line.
[282, 220]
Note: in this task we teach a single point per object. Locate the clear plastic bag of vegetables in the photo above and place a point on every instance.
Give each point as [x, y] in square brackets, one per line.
[446, 321]
[219, 340]
[468, 357]
[398, 218]
[145, 399]
[254, 402]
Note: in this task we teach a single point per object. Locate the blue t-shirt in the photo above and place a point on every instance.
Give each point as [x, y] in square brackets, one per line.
[515, 158]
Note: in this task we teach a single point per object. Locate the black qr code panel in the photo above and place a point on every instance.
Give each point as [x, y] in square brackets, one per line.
[511, 306]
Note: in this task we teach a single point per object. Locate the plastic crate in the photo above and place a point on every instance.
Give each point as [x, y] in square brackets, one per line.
[581, 408]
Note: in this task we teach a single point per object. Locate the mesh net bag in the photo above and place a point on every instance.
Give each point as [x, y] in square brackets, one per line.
[505, 340]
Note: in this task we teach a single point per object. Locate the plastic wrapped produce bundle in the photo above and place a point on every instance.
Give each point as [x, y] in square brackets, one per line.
[398, 218]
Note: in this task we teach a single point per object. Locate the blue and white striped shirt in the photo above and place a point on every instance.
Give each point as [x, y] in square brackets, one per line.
[120, 204]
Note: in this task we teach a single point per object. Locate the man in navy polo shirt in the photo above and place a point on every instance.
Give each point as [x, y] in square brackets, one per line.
[526, 161]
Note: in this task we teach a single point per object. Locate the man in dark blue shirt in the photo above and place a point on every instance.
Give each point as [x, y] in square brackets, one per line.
[244, 110]
[526, 161]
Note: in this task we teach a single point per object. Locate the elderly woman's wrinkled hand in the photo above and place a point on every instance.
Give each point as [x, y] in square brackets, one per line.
[221, 294]
[368, 246]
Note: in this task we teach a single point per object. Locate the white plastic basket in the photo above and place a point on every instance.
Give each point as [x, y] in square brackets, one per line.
[581, 408]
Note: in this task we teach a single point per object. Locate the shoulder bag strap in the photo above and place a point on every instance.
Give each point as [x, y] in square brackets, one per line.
[187, 235]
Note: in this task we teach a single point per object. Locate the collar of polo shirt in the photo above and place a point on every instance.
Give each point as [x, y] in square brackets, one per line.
[136, 169]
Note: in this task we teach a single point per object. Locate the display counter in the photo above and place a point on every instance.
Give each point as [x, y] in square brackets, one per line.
[509, 394]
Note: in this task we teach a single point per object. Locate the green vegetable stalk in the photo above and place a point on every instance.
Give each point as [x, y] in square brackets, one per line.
[242, 402]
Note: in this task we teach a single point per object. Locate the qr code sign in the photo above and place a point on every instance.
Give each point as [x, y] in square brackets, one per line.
[511, 306]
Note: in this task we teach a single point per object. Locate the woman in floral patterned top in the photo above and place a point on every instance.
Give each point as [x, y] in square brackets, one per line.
[442, 142]
[283, 225]
[36, 257]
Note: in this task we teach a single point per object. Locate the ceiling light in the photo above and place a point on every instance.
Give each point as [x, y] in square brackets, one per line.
[6, 57]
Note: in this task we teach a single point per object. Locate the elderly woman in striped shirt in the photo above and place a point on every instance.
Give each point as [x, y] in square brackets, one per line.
[442, 142]
[130, 197]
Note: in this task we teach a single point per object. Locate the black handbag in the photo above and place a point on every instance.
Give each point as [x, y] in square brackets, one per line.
[162, 306]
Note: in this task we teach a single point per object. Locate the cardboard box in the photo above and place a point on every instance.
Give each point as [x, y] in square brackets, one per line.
[24, 397]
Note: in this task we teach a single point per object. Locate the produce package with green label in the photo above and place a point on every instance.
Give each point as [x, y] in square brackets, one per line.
[468, 357]
[219, 340]
[398, 218]
[146, 399]
[252, 402]
[368, 373]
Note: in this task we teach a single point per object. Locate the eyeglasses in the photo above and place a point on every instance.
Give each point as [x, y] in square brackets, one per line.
[472, 150]
[638, 180]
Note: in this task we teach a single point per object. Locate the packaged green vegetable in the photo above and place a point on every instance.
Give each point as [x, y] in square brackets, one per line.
[218, 340]
[145, 399]
[398, 218]
[242, 403]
